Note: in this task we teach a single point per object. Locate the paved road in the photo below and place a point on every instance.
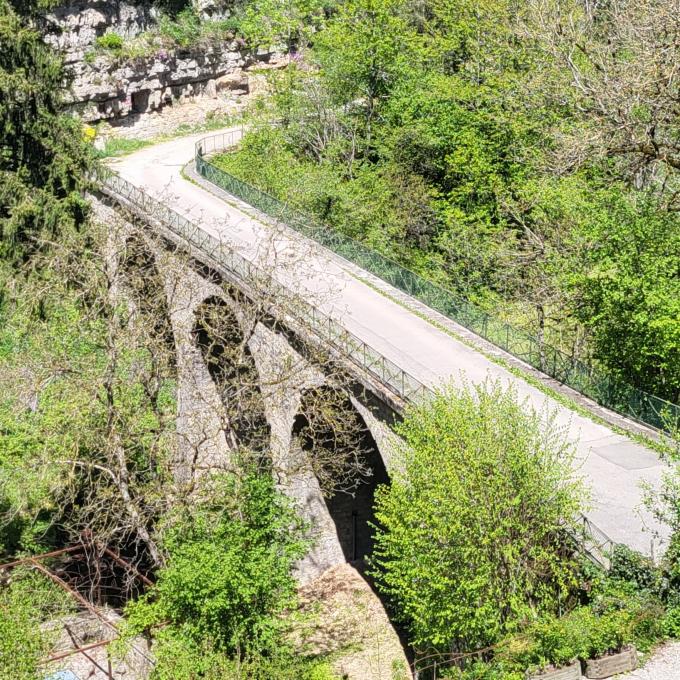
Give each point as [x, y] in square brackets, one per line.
[613, 465]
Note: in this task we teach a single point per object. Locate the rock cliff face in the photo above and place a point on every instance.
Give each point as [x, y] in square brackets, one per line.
[74, 27]
[108, 88]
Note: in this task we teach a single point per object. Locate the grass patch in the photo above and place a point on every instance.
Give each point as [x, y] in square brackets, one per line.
[123, 146]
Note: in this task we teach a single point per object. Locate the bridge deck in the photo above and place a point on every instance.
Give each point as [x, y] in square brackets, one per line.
[613, 465]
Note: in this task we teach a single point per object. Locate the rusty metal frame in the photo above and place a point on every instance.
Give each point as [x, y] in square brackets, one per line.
[34, 562]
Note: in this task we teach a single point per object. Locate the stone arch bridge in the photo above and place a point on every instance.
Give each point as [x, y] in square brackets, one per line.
[384, 352]
[291, 357]
[288, 386]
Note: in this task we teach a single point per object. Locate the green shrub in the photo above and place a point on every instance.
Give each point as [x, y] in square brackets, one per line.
[26, 602]
[632, 567]
[649, 626]
[471, 536]
[668, 509]
[555, 641]
[480, 670]
[671, 622]
[642, 608]
[584, 633]
[608, 633]
[184, 29]
[178, 657]
[112, 42]
[559, 641]
[228, 577]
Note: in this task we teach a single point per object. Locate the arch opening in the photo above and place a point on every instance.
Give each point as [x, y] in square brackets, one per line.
[346, 462]
[219, 337]
[145, 284]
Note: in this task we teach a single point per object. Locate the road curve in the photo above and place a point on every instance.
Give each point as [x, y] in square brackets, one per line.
[612, 465]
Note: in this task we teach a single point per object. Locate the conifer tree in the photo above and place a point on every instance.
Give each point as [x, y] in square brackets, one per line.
[43, 156]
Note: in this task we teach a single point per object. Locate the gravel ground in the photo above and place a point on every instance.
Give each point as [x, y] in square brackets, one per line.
[664, 664]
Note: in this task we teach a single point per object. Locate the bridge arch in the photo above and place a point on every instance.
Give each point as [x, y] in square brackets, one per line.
[227, 356]
[346, 461]
[144, 282]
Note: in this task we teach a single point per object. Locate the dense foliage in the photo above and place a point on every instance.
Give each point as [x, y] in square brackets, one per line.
[88, 404]
[629, 604]
[472, 531]
[475, 547]
[42, 155]
[227, 584]
[228, 573]
[468, 141]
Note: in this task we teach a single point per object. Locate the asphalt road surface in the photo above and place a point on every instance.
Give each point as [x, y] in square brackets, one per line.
[612, 465]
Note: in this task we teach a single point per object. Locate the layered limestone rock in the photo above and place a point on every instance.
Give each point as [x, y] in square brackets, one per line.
[108, 90]
[212, 8]
[74, 27]
[107, 87]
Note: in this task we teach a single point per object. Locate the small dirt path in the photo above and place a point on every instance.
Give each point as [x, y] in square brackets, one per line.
[664, 664]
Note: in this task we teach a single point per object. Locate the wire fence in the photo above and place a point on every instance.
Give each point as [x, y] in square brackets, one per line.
[591, 381]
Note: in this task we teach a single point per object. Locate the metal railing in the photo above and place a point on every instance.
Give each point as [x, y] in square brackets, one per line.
[596, 544]
[402, 384]
[605, 389]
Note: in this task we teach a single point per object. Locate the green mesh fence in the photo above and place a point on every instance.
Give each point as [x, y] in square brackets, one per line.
[590, 381]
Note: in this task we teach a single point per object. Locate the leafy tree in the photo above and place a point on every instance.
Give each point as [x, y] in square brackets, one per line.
[616, 66]
[471, 536]
[291, 23]
[86, 430]
[362, 53]
[43, 158]
[628, 289]
[228, 578]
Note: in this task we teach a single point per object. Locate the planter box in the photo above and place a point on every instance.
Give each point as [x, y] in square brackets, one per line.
[606, 666]
[570, 672]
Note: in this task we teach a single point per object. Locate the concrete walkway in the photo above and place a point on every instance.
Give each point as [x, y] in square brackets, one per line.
[612, 465]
